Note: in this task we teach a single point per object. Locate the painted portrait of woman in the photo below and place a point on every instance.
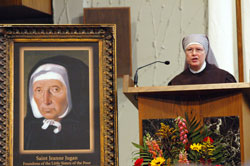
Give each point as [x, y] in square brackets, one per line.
[57, 105]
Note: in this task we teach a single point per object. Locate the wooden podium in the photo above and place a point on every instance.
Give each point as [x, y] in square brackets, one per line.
[201, 101]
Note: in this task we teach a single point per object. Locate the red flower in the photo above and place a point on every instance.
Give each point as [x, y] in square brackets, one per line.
[138, 162]
[202, 160]
[208, 139]
[187, 146]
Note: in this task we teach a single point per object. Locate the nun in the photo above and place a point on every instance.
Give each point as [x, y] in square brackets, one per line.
[51, 122]
[200, 64]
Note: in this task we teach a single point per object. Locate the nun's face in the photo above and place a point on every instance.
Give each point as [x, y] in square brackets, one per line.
[51, 98]
[195, 56]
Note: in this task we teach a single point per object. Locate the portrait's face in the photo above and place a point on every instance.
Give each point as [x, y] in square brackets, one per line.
[195, 56]
[51, 98]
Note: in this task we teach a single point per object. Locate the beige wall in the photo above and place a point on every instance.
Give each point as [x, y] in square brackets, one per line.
[222, 34]
[158, 27]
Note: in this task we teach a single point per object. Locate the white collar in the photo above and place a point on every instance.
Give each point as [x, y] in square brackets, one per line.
[200, 70]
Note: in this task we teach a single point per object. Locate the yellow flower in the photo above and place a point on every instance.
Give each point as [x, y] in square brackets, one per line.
[157, 161]
[196, 147]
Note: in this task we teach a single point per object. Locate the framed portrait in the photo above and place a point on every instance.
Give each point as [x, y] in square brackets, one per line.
[58, 101]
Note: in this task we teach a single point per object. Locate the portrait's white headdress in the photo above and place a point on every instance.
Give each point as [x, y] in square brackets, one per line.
[45, 72]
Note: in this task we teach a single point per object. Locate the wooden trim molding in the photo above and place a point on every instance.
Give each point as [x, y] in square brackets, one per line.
[239, 41]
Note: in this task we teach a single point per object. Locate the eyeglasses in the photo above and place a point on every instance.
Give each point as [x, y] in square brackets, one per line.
[198, 50]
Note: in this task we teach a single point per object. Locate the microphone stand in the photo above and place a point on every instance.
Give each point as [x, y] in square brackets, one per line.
[136, 72]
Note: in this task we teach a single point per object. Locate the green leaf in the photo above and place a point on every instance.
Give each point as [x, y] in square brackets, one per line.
[186, 117]
[218, 150]
[191, 156]
[193, 121]
[144, 163]
[195, 126]
[194, 133]
[218, 156]
[138, 146]
[197, 139]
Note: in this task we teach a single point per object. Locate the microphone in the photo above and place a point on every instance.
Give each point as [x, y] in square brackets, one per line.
[136, 73]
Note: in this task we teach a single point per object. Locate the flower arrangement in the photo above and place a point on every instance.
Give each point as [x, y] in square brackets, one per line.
[184, 144]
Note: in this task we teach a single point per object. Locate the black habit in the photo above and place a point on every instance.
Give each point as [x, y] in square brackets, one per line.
[210, 75]
[72, 136]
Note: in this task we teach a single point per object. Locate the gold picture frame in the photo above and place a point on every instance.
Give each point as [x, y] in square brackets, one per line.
[88, 52]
